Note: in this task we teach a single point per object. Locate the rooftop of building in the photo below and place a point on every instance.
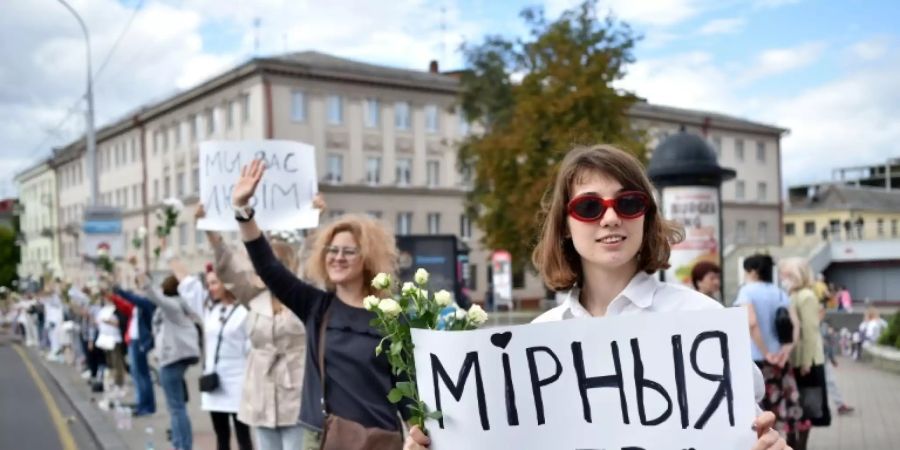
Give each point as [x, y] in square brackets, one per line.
[701, 118]
[841, 197]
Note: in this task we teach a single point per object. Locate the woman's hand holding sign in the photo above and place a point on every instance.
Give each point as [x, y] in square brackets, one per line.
[767, 437]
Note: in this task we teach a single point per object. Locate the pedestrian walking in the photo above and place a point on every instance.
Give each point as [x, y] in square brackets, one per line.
[349, 383]
[602, 239]
[763, 301]
[808, 356]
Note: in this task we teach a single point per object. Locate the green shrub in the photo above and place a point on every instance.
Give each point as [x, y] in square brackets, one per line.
[891, 336]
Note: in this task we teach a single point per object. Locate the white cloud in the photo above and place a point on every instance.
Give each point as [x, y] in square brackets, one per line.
[164, 51]
[659, 13]
[690, 80]
[723, 26]
[780, 60]
[870, 50]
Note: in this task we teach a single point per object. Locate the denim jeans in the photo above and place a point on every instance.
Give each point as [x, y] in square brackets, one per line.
[281, 438]
[143, 385]
[171, 377]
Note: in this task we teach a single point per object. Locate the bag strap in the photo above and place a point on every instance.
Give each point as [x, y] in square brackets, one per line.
[322, 327]
[219, 340]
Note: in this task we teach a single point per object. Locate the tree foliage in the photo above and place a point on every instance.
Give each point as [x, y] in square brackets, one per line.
[535, 98]
[9, 256]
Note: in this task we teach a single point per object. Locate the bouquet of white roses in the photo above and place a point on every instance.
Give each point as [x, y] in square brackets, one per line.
[414, 308]
[138, 240]
[168, 218]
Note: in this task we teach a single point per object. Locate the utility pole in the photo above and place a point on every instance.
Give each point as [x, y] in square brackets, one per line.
[92, 174]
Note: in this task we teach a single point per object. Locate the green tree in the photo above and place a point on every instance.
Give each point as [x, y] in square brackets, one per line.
[9, 256]
[564, 97]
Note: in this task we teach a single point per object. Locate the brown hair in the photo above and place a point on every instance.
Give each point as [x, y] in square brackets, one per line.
[701, 269]
[376, 248]
[169, 286]
[555, 256]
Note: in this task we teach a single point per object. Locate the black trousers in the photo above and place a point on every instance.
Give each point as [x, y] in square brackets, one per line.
[223, 431]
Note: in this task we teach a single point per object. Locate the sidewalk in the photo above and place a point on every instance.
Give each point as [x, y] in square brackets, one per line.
[875, 425]
[103, 423]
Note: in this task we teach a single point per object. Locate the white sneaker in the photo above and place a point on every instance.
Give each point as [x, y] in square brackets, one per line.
[86, 375]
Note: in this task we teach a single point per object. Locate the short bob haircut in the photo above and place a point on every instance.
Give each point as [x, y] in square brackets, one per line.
[555, 256]
[797, 268]
[701, 269]
[760, 264]
[376, 248]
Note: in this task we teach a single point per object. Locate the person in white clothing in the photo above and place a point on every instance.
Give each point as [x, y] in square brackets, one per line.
[226, 345]
[109, 339]
[603, 238]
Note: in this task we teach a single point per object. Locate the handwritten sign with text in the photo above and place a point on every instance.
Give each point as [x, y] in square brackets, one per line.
[668, 381]
[283, 199]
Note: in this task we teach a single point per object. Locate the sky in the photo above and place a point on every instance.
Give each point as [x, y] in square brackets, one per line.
[827, 70]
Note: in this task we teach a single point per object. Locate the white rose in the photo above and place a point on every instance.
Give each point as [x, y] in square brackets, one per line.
[460, 314]
[421, 276]
[443, 298]
[142, 232]
[371, 302]
[389, 307]
[174, 203]
[102, 252]
[408, 288]
[382, 281]
[477, 315]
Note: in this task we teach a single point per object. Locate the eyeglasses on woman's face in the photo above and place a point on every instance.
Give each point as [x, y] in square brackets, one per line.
[592, 207]
[348, 252]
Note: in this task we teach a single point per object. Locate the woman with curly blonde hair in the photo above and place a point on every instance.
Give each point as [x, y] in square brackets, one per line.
[346, 255]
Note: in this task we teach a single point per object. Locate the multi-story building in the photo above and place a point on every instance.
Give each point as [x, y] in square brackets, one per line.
[751, 203]
[39, 235]
[385, 142]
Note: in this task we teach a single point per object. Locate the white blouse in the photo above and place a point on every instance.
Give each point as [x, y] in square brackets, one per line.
[645, 294]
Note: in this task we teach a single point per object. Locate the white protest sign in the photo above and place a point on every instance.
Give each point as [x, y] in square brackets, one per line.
[668, 381]
[283, 199]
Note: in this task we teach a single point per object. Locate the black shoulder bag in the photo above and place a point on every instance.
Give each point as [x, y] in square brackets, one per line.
[210, 382]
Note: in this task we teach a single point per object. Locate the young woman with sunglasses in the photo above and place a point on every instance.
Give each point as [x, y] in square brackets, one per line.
[345, 257]
[602, 240]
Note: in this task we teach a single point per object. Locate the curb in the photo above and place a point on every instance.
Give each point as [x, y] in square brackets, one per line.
[883, 358]
[97, 424]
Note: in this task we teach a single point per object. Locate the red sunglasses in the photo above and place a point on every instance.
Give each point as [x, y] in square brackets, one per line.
[591, 207]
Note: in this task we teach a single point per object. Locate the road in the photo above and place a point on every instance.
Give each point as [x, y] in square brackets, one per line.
[34, 414]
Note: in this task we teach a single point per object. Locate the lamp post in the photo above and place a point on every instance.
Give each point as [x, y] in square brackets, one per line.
[89, 115]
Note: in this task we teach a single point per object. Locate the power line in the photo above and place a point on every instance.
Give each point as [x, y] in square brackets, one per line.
[51, 132]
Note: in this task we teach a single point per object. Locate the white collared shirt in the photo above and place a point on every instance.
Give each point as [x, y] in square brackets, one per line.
[645, 294]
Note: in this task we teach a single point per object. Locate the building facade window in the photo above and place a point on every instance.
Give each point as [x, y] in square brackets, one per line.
[210, 121]
[762, 232]
[433, 174]
[372, 113]
[739, 189]
[741, 231]
[335, 168]
[136, 195]
[809, 228]
[880, 224]
[196, 180]
[176, 134]
[298, 106]
[761, 191]
[373, 170]
[431, 118]
[463, 121]
[404, 223]
[182, 235]
[717, 145]
[401, 115]
[180, 185]
[167, 188]
[434, 223]
[404, 171]
[739, 150]
[229, 115]
[374, 214]
[155, 190]
[192, 125]
[465, 226]
[335, 110]
[245, 108]
[760, 151]
[894, 228]
[789, 229]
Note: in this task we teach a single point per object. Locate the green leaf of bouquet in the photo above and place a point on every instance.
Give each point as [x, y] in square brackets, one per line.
[396, 347]
[395, 395]
[434, 415]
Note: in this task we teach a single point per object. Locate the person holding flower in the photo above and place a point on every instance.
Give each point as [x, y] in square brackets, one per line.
[346, 254]
[602, 239]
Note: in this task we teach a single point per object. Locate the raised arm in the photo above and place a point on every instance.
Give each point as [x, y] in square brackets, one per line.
[297, 295]
[227, 267]
[136, 300]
